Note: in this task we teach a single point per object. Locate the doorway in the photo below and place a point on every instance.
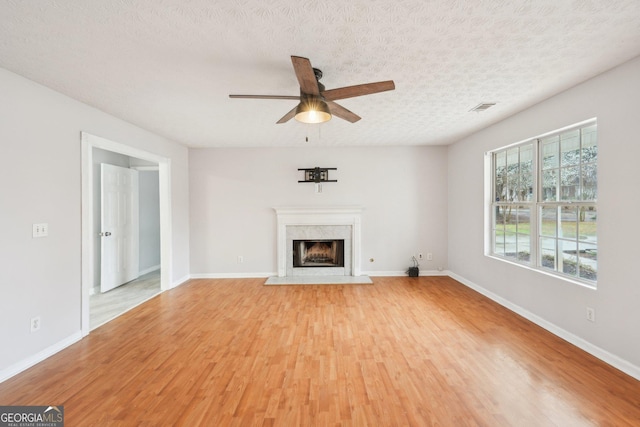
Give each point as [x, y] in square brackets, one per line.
[90, 230]
[126, 215]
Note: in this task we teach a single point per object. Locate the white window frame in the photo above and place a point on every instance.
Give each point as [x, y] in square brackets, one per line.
[535, 207]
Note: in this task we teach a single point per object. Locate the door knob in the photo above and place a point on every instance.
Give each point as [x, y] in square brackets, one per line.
[105, 234]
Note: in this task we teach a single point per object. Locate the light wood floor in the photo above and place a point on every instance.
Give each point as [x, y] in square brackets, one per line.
[403, 351]
[104, 307]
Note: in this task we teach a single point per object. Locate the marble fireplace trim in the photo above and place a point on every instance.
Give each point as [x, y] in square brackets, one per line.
[288, 217]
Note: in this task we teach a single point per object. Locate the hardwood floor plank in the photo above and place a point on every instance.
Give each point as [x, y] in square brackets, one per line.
[403, 351]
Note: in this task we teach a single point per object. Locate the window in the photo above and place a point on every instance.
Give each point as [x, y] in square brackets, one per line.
[544, 208]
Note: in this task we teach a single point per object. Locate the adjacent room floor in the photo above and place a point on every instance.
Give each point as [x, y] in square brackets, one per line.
[109, 305]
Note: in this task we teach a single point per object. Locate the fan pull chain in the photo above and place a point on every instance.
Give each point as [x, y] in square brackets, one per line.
[306, 138]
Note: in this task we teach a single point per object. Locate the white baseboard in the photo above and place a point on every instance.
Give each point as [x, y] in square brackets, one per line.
[383, 273]
[233, 275]
[613, 360]
[25, 364]
[271, 274]
[403, 273]
[180, 281]
[434, 273]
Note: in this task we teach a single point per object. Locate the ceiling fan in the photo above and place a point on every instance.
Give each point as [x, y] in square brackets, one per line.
[317, 104]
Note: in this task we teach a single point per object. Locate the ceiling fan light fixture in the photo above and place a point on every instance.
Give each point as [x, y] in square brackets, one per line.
[313, 110]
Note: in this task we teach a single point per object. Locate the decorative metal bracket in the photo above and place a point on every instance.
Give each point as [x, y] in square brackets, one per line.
[318, 175]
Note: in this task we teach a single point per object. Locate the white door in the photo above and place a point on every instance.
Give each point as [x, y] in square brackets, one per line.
[119, 226]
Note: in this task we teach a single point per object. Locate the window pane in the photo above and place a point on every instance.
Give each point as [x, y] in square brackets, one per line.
[589, 144]
[568, 222]
[523, 238]
[523, 218]
[525, 187]
[513, 164]
[510, 244]
[570, 148]
[588, 261]
[524, 247]
[550, 153]
[500, 176]
[548, 219]
[549, 185]
[587, 226]
[500, 217]
[569, 182]
[589, 182]
[509, 213]
[498, 247]
[568, 257]
[548, 253]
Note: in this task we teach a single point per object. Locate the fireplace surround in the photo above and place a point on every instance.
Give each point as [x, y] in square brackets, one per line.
[318, 224]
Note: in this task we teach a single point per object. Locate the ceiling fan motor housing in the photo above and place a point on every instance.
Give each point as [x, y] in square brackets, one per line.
[318, 74]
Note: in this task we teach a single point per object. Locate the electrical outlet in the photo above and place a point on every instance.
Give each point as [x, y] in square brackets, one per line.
[420, 256]
[35, 324]
[429, 256]
[591, 314]
[40, 230]
[240, 259]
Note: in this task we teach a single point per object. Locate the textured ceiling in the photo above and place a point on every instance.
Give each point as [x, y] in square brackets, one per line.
[168, 66]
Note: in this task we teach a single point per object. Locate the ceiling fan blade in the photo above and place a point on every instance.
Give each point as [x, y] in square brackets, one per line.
[358, 90]
[339, 111]
[306, 76]
[265, 97]
[288, 116]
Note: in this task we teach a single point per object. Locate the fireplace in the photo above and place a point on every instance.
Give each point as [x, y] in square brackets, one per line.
[318, 253]
[320, 225]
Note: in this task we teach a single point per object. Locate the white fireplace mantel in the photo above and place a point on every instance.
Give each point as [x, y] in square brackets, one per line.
[318, 216]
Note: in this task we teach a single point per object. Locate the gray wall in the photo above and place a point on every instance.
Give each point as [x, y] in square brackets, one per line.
[403, 192]
[149, 220]
[40, 181]
[612, 98]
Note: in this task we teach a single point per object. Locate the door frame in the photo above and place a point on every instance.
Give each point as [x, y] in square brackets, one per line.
[89, 142]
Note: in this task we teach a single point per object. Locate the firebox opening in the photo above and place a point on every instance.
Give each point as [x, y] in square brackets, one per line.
[318, 253]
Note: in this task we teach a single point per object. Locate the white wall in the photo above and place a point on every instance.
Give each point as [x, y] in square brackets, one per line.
[611, 97]
[233, 192]
[40, 181]
[149, 220]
